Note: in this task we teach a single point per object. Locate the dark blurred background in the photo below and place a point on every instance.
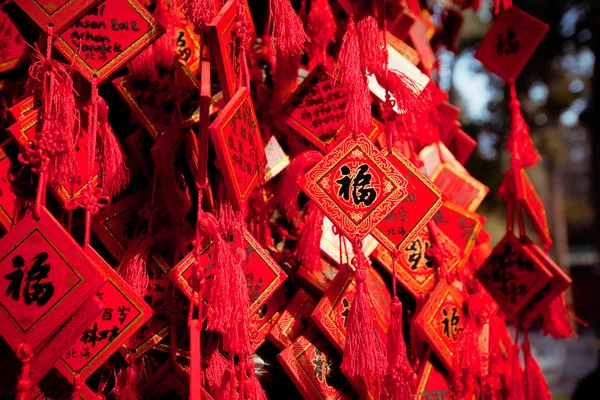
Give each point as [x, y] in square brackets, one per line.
[561, 103]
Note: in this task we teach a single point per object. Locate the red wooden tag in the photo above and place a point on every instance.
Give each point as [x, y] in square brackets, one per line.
[107, 36]
[172, 169]
[513, 275]
[433, 382]
[155, 104]
[263, 275]
[314, 367]
[510, 42]
[221, 32]
[420, 41]
[355, 186]
[264, 320]
[415, 268]
[45, 277]
[318, 281]
[122, 222]
[13, 48]
[16, 191]
[460, 188]
[60, 14]
[401, 226]
[534, 209]
[441, 321]
[187, 45]
[460, 225]
[559, 283]
[18, 111]
[122, 314]
[239, 146]
[330, 245]
[462, 145]
[277, 160]
[401, 47]
[316, 111]
[331, 312]
[294, 321]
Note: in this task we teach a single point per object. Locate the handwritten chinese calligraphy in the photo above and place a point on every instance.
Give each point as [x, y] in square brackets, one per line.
[37, 288]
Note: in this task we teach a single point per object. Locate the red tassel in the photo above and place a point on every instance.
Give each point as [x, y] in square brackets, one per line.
[229, 296]
[519, 143]
[162, 53]
[354, 81]
[114, 172]
[287, 29]
[409, 95]
[127, 382]
[253, 388]
[133, 265]
[215, 372]
[286, 196]
[229, 385]
[308, 251]
[556, 321]
[364, 354]
[198, 12]
[25, 356]
[517, 390]
[50, 82]
[400, 374]
[536, 387]
[373, 54]
[321, 28]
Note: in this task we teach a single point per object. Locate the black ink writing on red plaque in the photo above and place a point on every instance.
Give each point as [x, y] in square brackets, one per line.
[322, 365]
[36, 289]
[92, 336]
[451, 322]
[345, 310]
[135, 226]
[507, 44]
[416, 251]
[359, 181]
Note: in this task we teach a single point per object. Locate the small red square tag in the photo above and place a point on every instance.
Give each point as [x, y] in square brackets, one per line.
[123, 313]
[240, 150]
[294, 320]
[221, 32]
[401, 226]
[441, 321]
[415, 269]
[460, 225]
[45, 278]
[355, 186]
[534, 209]
[513, 275]
[59, 13]
[460, 188]
[107, 36]
[314, 367]
[510, 42]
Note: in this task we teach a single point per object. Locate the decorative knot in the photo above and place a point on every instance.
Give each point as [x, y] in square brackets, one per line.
[90, 198]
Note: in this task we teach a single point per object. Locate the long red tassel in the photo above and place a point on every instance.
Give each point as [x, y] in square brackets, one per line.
[519, 143]
[364, 354]
[114, 171]
[536, 387]
[373, 55]
[308, 251]
[517, 390]
[253, 388]
[286, 28]
[321, 28]
[24, 355]
[127, 382]
[402, 377]
[215, 371]
[133, 268]
[556, 321]
[353, 79]
[286, 195]
[198, 12]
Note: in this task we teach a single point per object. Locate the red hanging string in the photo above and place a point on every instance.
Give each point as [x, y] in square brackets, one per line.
[25, 356]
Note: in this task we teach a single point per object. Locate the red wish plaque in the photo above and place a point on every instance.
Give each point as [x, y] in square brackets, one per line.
[318, 281]
[187, 45]
[513, 275]
[460, 188]
[559, 283]
[294, 321]
[122, 314]
[510, 43]
[415, 268]
[155, 105]
[330, 245]
[60, 14]
[16, 191]
[107, 36]
[13, 48]
[314, 367]
[23, 132]
[441, 321]
[331, 312]
[18, 111]
[45, 278]
[433, 381]
[534, 209]
[401, 226]
[460, 225]
[239, 146]
[316, 111]
[221, 32]
[355, 186]
[264, 320]
[122, 222]
[263, 275]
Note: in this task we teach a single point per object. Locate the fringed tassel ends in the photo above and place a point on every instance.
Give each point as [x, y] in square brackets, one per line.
[400, 378]
[535, 385]
[114, 172]
[309, 246]
[287, 29]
